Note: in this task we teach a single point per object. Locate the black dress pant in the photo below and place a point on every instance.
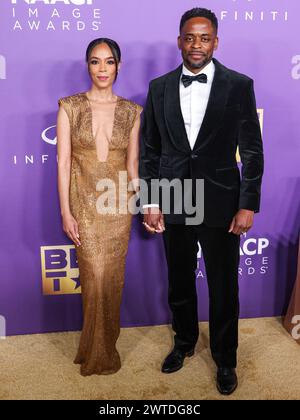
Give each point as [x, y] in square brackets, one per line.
[220, 251]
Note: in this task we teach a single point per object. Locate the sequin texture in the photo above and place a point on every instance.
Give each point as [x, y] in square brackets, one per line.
[104, 237]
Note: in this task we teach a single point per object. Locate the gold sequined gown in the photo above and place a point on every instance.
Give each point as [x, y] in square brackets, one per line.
[104, 237]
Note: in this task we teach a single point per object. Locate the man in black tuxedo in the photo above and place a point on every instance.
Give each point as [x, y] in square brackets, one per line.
[194, 119]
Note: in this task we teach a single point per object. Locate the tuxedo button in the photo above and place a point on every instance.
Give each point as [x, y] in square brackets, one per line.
[193, 156]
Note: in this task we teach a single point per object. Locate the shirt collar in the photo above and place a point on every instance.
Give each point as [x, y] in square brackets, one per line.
[208, 70]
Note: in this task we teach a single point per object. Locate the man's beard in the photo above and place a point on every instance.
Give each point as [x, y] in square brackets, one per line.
[198, 65]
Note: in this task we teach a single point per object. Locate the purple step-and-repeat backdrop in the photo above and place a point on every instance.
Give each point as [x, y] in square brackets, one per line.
[42, 48]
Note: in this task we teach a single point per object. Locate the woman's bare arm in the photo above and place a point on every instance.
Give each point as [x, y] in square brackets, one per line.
[133, 153]
[64, 174]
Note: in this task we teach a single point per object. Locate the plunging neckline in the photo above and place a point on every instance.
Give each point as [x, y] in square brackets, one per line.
[91, 125]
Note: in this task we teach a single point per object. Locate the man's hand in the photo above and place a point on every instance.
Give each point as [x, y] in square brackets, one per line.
[153, 220]
[242, 221]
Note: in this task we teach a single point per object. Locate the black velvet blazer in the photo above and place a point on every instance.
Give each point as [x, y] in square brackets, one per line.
[230, 120]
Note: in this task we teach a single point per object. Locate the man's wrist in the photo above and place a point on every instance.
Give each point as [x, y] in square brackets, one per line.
[145, 206]
[252, 211]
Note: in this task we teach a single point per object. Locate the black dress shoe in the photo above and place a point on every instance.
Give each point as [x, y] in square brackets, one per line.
[226, 380]
[174, 361]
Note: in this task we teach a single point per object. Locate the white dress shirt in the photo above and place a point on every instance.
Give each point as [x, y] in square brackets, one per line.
[193, 101]
[193, 104]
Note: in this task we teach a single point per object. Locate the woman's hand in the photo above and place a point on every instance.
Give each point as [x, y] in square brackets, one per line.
[70, 227]
[153, 220]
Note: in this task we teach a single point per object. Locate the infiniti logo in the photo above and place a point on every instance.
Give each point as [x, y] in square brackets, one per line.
[48, 138]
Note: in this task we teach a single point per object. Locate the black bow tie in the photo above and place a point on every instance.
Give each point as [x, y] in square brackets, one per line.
[188, 80]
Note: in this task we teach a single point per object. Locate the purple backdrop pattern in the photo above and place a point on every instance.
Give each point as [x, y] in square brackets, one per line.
[42, 46]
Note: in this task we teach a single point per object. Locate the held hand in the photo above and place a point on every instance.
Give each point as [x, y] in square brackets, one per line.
[242, 222]
[70, 227]
[153, 220]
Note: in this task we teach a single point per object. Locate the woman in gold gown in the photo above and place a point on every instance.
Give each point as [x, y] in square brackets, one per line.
[98, 139]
